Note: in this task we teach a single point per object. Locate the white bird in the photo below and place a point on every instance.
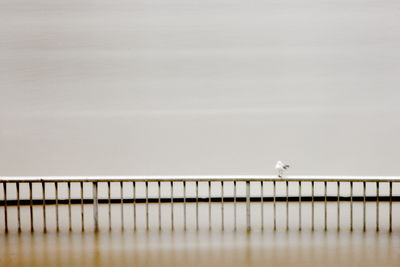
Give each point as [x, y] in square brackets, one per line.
[280, 166]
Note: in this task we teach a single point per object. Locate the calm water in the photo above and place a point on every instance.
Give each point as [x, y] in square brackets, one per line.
[201, 249]
[204, 248]
[189, 87]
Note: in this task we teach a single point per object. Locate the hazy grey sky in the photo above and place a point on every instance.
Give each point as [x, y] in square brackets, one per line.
[199, 87]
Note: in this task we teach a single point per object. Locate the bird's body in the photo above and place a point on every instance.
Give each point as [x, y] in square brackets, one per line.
[280, 166]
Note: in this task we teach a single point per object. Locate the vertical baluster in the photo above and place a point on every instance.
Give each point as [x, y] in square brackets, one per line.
[234, 205]
[325, 207]
[184, 205]
[134, 205]
[147, 205]
[30, 205]
[299, 206]
[364, 208]
[197, 205]
[56, 192]
[109, 206]
[274, 205]
[351, 206]
[122, 205]
[262, 205]
[18, 207]
[209, 205]
[44, 206]
[82, 210]
[5, 207]
[222, 205]
[159, 206]
[390, 206]
[95, 207]
[377, 206]
[312, 206]
[338, 206]
[248, 215]
[287, 206]
[172, 205]
[69, 206]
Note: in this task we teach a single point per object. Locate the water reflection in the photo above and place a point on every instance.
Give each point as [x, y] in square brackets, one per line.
[199, 248]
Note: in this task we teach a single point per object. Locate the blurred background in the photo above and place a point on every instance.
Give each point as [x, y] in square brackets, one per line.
[199, 87]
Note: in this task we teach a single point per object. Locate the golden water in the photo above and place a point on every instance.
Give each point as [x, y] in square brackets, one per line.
[204, 248]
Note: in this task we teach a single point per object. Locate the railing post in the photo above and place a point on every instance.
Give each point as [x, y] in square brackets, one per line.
[209, 205]
[147, 205]
[338, 206]
[184, 205]
[5, 207]
[44, 207]
[31, 206]
[312, 206]
[222, 206]
[364, 204]
[197, 205]
[234, 205]
[159, 206]
[56, 196]
[351, 206]
[134, 205]
[377, 206]
[274, 183]
[262, 205]
[109, 206]
[287, 206]
[82, 211]
[390, 207]
[122, 205]
[95, 207]
[18, 207]
[172, 206]
[299, 206]
[69, 207]
[248, 215]
[325, 207]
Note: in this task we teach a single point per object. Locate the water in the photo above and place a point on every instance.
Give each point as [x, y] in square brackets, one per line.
[210, 248]
[189, 87]
[200, 249]
[205, 248]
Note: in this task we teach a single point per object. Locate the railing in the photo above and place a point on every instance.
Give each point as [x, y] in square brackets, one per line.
[249, 198]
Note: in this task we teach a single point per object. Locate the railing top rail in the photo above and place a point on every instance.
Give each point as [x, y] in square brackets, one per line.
[202, 178]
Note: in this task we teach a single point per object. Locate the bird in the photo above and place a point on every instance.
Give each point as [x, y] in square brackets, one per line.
[280, 166]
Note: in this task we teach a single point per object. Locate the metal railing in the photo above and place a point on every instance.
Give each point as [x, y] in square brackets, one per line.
[196, 180]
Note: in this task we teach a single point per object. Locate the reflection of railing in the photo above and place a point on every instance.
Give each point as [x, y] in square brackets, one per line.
[260, 180]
